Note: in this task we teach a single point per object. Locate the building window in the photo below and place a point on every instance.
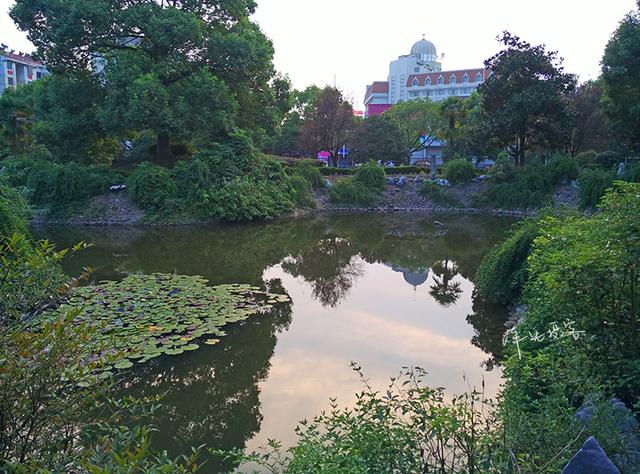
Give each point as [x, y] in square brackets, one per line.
[416, 69]
[427, 82]
[478, 77]
[452, 79]
[465, 78]
[415, 82]
[441, 80]
[10, 81]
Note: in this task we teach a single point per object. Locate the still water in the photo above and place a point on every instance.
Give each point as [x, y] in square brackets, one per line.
[383, 291]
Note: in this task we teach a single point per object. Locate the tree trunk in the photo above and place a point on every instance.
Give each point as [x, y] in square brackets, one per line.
[521, 149]
[163, 148]
[334, 160]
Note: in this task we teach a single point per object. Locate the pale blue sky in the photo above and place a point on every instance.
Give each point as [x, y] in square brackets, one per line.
[354, 40]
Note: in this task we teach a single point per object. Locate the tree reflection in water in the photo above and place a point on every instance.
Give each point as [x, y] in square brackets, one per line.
[444, 289]
[211, 396]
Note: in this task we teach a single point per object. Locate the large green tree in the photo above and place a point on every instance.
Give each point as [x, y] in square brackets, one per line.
[184, 69]
[379, 138]
[621, 76]
[421, 123]
[524, 100]
[590, 126]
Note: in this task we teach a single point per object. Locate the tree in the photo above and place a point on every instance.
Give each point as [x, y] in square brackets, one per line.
[621, 77]
[378, 138]
[454, 111]
[420, 122]
[189, 70]
[328, 125]
[590, 130]
[15, 118]
[524, 100]
[287, 139]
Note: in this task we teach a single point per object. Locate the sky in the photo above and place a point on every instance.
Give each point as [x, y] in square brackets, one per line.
[351, 42]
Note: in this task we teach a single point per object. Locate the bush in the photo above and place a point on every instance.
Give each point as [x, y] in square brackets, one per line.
[192, 176]
[348, 191]
[501, 275]
[150, 186]
[632, 173]
[309, 171]
[434, 192]
[592, 184]
[405, 169]
[14, 211]
[371, 176]
[563, 168]
[302, 195]
[608, 160]
[521, 188]
[15, 170]
[458, 171]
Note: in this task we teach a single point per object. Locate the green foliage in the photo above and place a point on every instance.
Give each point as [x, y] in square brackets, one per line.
[302, 192]
[524, 99]
[632, 173]
[371, 176]
[420, 121]
[150, 186]
[409, 428]
[458, 171]
[348, 191]
[14, 210]
[562, 168]
[621, 77]
[434, 192]
[592, 184]
[329, 171]
[48, 370]
[309, 171]
[503, 273]
[172, 310]
[520, 188]
[582, 270]
[379, 138]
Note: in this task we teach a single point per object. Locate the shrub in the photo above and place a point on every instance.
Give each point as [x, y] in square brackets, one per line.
[563, 168]
[15, 170]
[349, 191]
[608, 160]
[191, 176]
[458, 171]
[632, 173]
[301, 191]
[405, 169]
[503, 271]
[521, 188]
[14, 211]
[434, 192]
[586, 159]
[371, 176]
[309, 171]
[150, 186]
[592, 184]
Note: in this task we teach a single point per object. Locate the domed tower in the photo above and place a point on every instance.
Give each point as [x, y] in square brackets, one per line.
[426, 54]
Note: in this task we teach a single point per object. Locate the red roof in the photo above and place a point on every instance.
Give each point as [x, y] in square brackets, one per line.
[21, 58]
[446, 75]
[379, 87]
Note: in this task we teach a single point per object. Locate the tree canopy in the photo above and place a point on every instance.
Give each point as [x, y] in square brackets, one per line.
[621, 76]
[421, 123]
[524, 100]
[184, 69]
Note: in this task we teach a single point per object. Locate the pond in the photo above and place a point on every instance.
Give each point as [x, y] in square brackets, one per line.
[383, 291]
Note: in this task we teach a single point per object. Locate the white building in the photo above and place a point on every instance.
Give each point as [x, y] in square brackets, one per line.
[419, 74]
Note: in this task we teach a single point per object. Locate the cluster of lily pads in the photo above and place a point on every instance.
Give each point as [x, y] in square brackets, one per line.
[145, 316]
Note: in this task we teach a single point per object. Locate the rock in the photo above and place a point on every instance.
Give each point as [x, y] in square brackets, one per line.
[510, 324]
[590, 459]
[483, 177]
[622, 168]
[328, 184]
[390, 180]
[118, 187]
[418, 179]
[442, 182]
[438, 223]
[402, 181]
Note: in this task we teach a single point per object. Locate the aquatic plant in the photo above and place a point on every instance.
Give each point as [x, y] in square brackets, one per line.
[145, 316]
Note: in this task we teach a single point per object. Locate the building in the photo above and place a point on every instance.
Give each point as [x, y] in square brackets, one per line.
[18, 68]
[419, 75]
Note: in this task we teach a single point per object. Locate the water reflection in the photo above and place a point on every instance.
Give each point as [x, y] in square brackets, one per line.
[385, 291]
